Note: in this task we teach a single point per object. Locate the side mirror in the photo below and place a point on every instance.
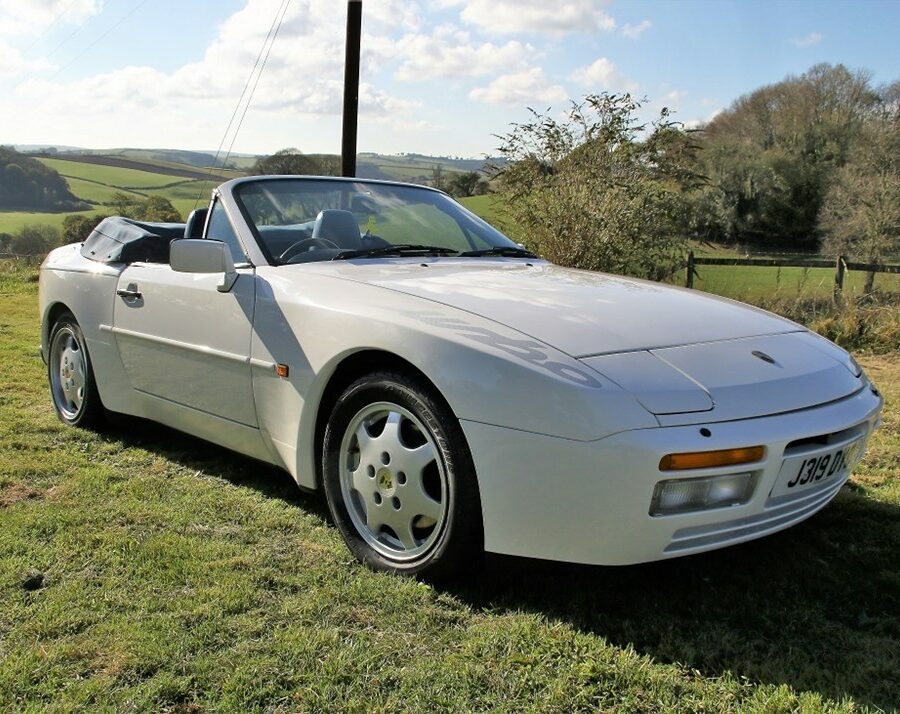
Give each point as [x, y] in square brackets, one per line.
[191, 255]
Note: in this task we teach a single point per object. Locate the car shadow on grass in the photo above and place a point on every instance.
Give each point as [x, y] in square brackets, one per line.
[194, 453]
[816, 607]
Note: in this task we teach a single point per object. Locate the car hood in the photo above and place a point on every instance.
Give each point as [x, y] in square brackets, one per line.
[686, 356]
[578, 312]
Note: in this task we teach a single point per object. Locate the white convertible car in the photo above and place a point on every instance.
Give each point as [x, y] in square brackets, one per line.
[450, 392]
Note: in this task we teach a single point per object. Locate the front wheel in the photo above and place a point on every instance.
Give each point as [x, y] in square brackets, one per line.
[72, 386]
[399, 478]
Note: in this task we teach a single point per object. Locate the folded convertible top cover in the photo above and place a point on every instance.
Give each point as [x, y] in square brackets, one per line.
[123, 240]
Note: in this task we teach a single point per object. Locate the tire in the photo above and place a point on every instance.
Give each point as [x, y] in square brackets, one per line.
[400, 481]
[73, 388]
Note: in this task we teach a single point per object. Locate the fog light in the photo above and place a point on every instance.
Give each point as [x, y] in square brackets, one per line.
[699, 494]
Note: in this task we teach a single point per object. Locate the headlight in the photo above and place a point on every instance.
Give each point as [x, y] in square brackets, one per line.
[699, 494]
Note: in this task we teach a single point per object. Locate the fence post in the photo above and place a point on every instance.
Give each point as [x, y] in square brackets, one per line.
[689, 280]
[839, 278]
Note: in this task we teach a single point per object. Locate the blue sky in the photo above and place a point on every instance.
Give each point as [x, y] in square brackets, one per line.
[439, 76]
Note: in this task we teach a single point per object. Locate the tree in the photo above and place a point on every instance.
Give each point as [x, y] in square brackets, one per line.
[771, 157]
[861, 212]
[598, 189]
[292, 162]
[438, 179]
[27, 183]
[156, 209]
[468, 183]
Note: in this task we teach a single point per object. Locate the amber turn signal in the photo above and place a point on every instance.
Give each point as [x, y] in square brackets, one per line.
[709, 459]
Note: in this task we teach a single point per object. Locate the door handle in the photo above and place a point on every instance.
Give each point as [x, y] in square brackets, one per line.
[129, 294]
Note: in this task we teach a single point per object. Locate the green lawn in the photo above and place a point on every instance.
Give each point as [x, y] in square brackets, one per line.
[752, 283]
[144, 570]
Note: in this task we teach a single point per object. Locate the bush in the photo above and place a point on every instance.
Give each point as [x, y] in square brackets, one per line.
[78, 227]
[869, 322]
[37, 240]
[598, 190]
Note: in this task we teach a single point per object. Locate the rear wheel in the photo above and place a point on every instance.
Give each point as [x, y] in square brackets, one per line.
[399, 478]
[72, 386]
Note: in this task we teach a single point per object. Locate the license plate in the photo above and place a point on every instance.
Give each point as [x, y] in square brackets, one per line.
[801, 473]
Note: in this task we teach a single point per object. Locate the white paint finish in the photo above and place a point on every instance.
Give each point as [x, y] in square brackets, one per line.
[588, 502]
[87, 289]
[743, 385]
[661, 388]
[237, 437]
[185, 341]
[578, 312]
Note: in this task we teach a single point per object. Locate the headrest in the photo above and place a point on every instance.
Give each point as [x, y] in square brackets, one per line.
[339, 227]
[195, 222]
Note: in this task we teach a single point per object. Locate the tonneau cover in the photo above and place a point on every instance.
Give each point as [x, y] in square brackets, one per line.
[123, 240]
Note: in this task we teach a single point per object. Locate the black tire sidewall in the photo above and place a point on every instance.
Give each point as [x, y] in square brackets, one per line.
[91, 414]
[460, 541]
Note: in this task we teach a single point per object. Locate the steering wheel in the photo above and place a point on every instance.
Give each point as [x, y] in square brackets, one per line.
[306, 244]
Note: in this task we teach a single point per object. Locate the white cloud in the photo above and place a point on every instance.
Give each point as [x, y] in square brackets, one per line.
[527, 87]
[603, 75]
[813, 38]
[303, 74]
[632, 32]
[540, 16]
[19, 17]
[13, 64]
[449, 53]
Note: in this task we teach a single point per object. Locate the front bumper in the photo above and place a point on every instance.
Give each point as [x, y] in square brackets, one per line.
[588, 502]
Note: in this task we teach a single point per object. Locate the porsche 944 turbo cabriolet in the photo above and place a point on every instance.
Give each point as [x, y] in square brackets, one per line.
[450, 392]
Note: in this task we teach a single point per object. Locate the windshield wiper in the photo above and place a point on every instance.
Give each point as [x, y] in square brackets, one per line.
[506, 251]
[399, 249]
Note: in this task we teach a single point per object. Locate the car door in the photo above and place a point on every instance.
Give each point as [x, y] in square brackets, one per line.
[183, 341]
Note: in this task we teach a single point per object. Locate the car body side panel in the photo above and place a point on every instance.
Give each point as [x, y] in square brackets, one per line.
[489, 373]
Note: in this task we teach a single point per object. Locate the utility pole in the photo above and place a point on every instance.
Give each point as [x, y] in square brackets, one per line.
[351, 88]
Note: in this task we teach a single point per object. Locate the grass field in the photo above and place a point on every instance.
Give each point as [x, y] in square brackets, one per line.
[144, 570]
[111, 175]
[14, 221]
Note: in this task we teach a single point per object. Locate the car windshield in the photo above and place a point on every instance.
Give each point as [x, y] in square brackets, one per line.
[305, 220]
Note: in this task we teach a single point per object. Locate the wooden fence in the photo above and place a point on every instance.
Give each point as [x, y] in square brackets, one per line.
[840, 266]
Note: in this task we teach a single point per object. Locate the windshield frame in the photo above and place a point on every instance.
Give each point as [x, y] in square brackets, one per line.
[233, 189]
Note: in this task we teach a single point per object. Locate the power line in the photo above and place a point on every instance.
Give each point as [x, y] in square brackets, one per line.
[273, 28]
[102, 36]
[253, 91]
[52, 24]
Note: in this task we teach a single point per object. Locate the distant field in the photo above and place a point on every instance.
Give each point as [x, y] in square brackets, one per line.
[14, 221]
[97, 184]
[111, 175]
[98, 192]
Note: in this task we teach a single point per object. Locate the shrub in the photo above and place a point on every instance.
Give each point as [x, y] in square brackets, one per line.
[598, 190]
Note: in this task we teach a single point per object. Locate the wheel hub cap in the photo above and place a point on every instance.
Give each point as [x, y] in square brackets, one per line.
[393, 481]
[67, 375]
